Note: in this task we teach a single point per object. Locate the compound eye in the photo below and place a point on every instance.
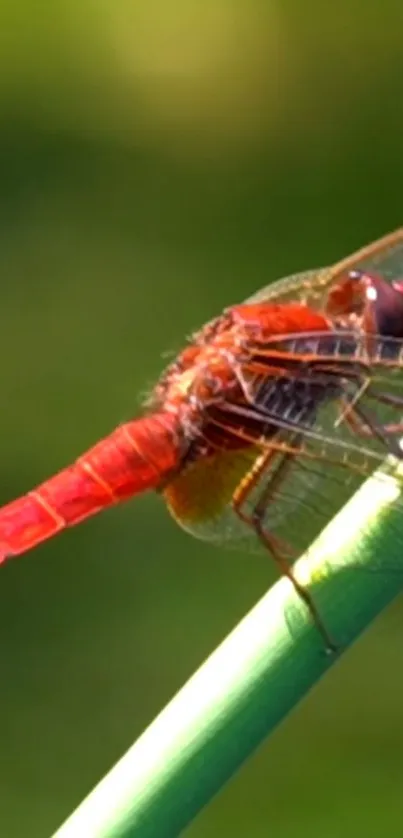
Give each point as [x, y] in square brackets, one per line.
[355, 275]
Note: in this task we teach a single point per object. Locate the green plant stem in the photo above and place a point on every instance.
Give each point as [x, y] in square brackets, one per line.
[253, 679]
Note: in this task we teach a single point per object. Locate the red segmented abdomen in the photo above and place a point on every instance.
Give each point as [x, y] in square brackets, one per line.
[135, 457]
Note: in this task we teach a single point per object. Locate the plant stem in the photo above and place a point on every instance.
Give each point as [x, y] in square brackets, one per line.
[265, 666]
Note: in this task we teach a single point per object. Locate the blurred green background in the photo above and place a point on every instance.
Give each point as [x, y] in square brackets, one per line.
[158, 162]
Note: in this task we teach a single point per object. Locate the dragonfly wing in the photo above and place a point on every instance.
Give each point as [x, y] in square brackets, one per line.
[300, 286]
[322, 454]
[330, 426]
[384, 256]
[200, 497]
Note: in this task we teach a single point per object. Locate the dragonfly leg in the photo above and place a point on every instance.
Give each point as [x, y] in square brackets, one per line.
[365, 425]
[277, 549]
[392, 400]
[385, 398]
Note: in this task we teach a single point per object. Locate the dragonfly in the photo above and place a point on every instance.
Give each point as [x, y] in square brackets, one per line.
[279, 407]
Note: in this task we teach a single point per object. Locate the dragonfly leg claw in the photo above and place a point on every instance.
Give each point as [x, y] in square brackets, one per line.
[285, 569]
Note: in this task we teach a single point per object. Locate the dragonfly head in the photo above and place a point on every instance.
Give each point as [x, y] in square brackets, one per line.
[367, 301]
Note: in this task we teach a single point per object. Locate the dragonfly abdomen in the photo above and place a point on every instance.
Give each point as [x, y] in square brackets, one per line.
[136, 457]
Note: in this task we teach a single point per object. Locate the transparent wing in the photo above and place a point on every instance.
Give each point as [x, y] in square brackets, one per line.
[326, 424]
[384, 256]
[321, 441]
[329, 426]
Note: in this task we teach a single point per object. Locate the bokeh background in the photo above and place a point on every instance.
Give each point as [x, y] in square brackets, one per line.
[158, 162]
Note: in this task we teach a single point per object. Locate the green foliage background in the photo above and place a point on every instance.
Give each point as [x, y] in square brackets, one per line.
[158, 162]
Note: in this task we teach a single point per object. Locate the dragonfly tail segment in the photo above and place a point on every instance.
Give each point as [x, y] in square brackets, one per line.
[136, 457]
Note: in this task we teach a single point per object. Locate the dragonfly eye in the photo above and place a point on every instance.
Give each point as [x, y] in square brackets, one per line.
[355, 275]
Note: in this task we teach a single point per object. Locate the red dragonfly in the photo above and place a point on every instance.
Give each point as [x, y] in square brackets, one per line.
[282, 404]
